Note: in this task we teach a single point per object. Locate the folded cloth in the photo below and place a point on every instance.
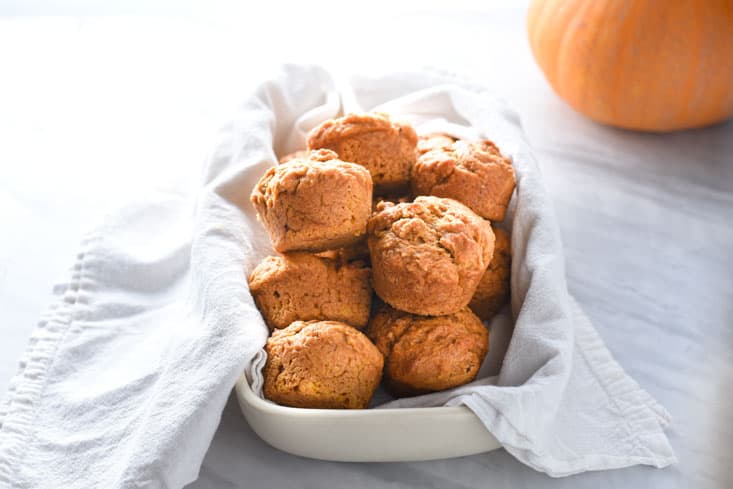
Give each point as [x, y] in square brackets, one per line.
[125, 378]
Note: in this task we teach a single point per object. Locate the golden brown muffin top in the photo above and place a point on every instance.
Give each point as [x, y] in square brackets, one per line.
[469, 155]
[426, 353]
[434, 141]
[356, 124]
[430, 229]
[285, 178]
[473, 172]
[389, 326]
[325, 364]
[314, 333]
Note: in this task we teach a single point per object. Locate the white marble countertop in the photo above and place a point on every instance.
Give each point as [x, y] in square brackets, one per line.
[96, 109]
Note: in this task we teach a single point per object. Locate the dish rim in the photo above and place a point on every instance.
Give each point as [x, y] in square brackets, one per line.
[263, 405]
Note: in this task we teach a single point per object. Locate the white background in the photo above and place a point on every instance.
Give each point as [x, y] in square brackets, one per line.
[103, 102]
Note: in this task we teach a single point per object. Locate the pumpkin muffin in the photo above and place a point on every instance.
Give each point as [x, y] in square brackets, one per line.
[297, 155]
[314, 203]
[301, 286]
[428, 255]
[321, 364]
[425, 354]
[430, 142]
[385, 147]
[493, 288]
[474, 173]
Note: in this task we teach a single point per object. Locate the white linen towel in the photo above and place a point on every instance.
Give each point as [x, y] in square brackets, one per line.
[125, 378]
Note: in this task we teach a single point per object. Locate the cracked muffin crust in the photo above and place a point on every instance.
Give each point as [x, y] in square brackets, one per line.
[430, 142]
[301, 286]
[474, 173]
[385, 147]
[493, 288]
[428, 255]
[321, 364]
[316, 203]
[425, 354]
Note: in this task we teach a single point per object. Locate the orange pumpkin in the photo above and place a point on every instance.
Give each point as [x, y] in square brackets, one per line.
[651, 65]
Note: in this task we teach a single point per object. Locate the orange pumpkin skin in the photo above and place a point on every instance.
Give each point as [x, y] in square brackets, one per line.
[650, 65]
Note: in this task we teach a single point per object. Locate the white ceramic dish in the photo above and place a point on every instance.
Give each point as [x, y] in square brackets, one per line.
[366, 435]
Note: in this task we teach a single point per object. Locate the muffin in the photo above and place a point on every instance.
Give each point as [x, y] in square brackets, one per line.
[474, 173]
[314, 203]
[428, 255]
[321, 364]
[493, 288]
[434, 141]
[297, 155]
[425, 354]
[385, 147]
[301, 286]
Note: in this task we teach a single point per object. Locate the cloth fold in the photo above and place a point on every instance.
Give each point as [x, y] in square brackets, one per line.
[125, 378]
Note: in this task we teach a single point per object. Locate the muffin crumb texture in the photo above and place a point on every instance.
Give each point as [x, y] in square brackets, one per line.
[321, 364]
[384, 147]
[428, 255]
[434, 141]
[426, 354]
[314, 204]
[474, 173]
[302, 286]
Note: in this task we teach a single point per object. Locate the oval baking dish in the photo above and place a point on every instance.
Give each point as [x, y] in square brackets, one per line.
[366, 435]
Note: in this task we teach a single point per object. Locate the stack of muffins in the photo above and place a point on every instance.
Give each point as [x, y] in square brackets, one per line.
[437, 265]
